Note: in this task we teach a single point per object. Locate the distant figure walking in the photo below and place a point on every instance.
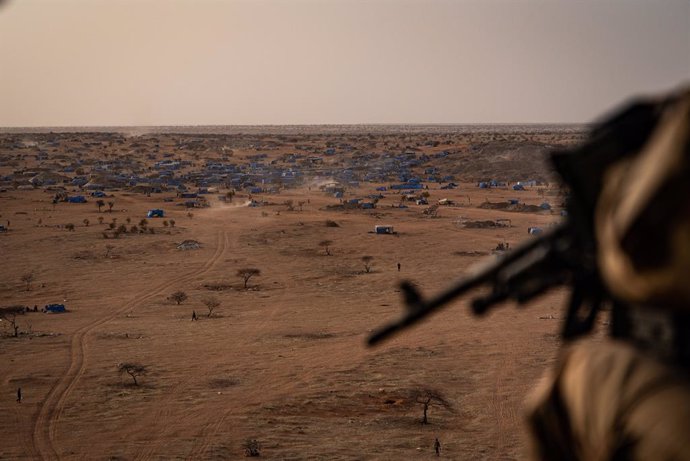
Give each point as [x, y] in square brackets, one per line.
[194, 317]
[19, 395]
[398, 267]
[437, 447]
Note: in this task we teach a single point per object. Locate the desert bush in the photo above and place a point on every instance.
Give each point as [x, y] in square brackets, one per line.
[326, 244]
[247, 273]
[211, 304]
[179, 297]
[367, 263]
[252, 448]
[27, 279]
[132, 369]
[331, 223]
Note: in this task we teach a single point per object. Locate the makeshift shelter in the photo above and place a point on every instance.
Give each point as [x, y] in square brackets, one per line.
[381, 229]
[155, 213]
[55, 308]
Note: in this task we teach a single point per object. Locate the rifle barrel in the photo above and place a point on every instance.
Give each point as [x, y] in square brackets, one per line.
[420, 309]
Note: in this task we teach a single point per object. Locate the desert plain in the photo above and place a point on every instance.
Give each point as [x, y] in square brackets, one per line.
[283, 361]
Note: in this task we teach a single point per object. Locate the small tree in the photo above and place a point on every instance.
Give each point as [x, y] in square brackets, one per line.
[27, 279]
[211, 304]
[110, 206]
[100, 204]
[428, 397]
[367, 263]
[172, 223]
[11, 318]
[129, 220]
[69, 227]
[108, 249]
[179, 297]
[100, 220]
[132, 369]
[165, 223]
[143, 223]
[247, 273]
[326, 244]
[86, 222]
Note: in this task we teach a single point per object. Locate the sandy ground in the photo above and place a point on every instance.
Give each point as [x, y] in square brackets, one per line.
[283, 362]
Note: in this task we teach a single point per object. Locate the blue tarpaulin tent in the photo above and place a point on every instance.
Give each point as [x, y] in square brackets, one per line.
[55, 308]
[156, 213]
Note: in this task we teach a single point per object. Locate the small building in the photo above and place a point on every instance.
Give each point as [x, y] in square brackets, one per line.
[534, 230]
[518, 187]
[77, 199]
[383, 229]
[155, 213]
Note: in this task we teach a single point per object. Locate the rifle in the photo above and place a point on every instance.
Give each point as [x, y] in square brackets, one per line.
[564, 255]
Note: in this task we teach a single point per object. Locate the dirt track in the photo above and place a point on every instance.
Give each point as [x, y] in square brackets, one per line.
[283, 362]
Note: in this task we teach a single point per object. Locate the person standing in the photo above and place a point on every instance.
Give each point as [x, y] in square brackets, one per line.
[19, 395]
[437, 447]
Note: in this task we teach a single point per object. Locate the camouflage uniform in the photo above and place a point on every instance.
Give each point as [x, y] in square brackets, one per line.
[629, 398]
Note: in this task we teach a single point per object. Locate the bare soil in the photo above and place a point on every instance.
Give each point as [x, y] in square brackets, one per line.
[284, 361]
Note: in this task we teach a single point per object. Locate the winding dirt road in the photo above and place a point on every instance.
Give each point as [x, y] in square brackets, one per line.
[52, 407]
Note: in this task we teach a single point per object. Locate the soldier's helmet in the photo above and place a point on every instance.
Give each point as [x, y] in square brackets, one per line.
[642, 217]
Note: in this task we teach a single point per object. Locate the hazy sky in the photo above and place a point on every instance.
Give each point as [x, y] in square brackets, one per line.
[172, 62]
